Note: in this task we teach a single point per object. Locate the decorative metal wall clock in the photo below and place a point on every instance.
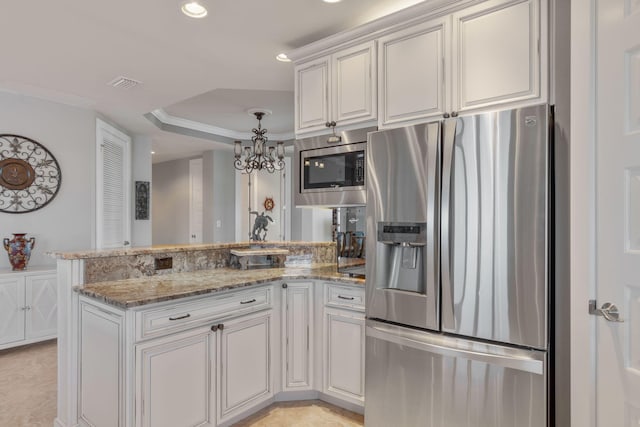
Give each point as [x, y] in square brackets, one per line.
[30, 176]
[269, 204]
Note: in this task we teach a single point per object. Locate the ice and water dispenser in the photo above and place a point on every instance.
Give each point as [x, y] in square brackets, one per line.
[401, 248]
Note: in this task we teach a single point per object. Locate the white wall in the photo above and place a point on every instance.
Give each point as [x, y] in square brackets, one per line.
[170, 202]
[141, 230]
[69, 133]
[219, 196]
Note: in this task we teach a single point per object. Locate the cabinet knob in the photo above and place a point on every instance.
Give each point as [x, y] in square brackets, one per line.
[221, 326]
[285, 286]
[330, 124]
[454, 114]
[214, 328]
[446, 115]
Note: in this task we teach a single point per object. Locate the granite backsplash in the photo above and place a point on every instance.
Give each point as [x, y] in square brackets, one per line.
[204, 257]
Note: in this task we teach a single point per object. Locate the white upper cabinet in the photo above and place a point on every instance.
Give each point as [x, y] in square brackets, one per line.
[340, 87]
[354, 84]
[413, 64]
[498, 56]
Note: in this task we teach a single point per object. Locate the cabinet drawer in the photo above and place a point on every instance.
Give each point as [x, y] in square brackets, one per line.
[344, 296]
[184, 315]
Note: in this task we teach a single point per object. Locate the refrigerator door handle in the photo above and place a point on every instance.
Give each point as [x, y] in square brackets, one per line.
[446, 225]
[531, 361]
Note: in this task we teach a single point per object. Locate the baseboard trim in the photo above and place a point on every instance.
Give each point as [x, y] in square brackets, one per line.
[287, 396]
[342, 403]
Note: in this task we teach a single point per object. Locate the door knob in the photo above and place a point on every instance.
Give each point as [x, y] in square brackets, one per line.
[608, 310]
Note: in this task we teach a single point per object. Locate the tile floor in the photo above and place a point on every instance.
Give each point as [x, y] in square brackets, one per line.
[28, 396]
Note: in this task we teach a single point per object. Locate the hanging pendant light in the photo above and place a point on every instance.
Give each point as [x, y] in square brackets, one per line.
[260, 155]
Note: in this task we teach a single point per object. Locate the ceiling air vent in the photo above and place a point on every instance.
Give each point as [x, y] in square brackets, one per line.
[123, 82]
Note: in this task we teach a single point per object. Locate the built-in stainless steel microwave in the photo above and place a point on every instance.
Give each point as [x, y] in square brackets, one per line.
[332, 173]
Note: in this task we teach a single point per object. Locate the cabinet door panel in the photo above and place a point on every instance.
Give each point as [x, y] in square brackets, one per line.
[312, 95]
[354, 85]
[245, 377]
[41, 301]
[297, 339]
[412, 72]
[101, 389]
[175, 375]
[11, 310]
[498, 58]
[344, 358]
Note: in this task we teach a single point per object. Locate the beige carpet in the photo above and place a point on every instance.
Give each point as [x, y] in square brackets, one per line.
[28, 385]
[28, 396]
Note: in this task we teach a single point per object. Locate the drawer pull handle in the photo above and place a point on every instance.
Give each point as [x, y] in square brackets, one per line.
[347, 298]
[248, 302]
[180, 317]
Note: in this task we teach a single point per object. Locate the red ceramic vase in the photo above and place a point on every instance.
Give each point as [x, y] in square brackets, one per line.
[19, 250]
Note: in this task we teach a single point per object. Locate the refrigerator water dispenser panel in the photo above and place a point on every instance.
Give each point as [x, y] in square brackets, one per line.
[402, 245]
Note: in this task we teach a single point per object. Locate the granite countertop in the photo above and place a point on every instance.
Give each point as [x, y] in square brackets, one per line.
[150, 250]
[146, 290]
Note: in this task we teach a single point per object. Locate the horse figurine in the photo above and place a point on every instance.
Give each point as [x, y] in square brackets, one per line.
[259, 232]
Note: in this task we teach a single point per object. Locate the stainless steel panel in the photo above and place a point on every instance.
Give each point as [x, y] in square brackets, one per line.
[351, 196]
[403, 187]
[416, 378]
[495, 271]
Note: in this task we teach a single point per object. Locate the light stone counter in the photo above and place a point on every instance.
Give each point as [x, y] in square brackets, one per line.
[146, 290]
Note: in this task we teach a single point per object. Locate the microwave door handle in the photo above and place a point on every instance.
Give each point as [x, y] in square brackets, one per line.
[446, 224]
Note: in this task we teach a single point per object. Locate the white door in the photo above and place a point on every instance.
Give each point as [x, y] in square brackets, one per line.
[11, 310]
[312, 95]
[497, 49]
[354, 84]
[297, 339]
[245, 364]
[195, 201]
[344, 354]
[413, 65]
[41, 302]
[618, 211]
[113, 187]
[176, 377]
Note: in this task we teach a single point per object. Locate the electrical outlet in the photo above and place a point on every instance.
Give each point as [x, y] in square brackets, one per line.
[164, 263]
[218, 223]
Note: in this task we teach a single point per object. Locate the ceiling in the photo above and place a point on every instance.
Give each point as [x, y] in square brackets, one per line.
[208, 70]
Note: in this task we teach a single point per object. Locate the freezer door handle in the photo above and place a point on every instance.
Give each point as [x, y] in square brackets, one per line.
[446, 224]
[531, 361]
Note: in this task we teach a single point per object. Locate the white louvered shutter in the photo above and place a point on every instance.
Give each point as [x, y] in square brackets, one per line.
[113, 182]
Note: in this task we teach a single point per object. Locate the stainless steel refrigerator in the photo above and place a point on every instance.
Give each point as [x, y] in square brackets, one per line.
[458, 272]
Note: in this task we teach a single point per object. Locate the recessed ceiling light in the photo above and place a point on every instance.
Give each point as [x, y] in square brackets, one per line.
[193, 9]
[331, 1]
[282, 57]
[153, 152]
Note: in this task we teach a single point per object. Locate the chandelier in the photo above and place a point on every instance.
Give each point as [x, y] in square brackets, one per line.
[259, 156]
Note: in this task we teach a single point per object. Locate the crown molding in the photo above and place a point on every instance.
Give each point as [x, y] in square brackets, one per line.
[393, 22]
[167, 119]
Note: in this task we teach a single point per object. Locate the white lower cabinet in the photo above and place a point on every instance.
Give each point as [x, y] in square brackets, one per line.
[211, 361]
[245, 364]
[176, 380]
[28, 307]
[344, 334]
[297, 336]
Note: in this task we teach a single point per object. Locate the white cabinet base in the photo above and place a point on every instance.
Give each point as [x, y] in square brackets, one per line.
[28, 307]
